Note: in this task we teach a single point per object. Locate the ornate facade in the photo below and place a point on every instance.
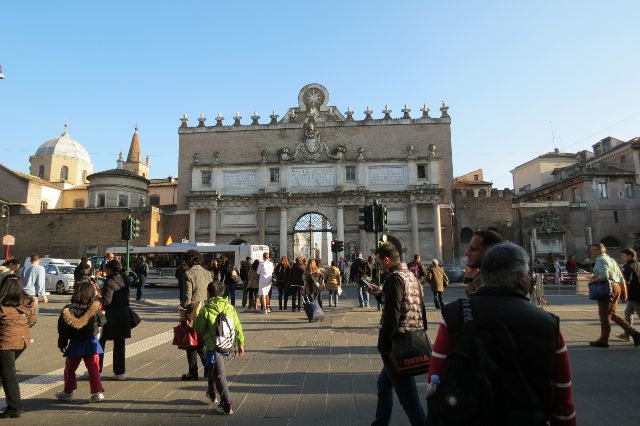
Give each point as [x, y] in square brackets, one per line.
[257, 182]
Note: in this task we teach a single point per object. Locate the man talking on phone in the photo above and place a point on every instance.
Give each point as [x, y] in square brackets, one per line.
[403, 310]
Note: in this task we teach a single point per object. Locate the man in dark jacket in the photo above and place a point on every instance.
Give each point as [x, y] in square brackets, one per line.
[296, 282]
[244, 276]
[526, 363]
[631, 273]
[403, 311]
[360, 269]
[141, 270]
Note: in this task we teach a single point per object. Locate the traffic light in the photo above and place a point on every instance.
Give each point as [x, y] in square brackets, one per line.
[125, 231]
[366, 218]
[135, 228]
[339, 246]
[381, 218]
[333, 246]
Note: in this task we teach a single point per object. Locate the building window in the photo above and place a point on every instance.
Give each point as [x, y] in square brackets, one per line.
[622, 159]
[64, 173]
[476, 178]
[574, 195]
[123, 199]
[41, 172]
[615, 216]
[350, 173]
[206, 177]
[274, 175]
[560, 196]
[101, 200]
[628, 190]
[78, 203]
[602, 190]
[43, 206]
[142, 201]
[154, 200]
[422, 171]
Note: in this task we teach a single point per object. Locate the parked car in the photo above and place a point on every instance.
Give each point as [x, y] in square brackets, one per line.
[59, 277]
[454, 272]
[45, 261]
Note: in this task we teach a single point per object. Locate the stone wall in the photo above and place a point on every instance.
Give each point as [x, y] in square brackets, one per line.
[73, 233]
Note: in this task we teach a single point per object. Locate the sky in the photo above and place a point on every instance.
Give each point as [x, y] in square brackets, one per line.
[520, 78]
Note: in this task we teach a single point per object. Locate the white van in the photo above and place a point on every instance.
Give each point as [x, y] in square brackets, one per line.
[44, 261]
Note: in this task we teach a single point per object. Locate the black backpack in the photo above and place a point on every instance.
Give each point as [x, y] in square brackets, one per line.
[465, 395]
[472, 391]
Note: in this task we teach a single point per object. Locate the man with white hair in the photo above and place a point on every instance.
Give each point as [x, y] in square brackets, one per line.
[498, 356]
[438, 280]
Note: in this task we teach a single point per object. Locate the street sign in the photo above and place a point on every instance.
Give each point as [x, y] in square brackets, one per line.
[8, 240]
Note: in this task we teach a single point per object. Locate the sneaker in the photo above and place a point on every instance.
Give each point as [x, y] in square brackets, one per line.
[599, 343]
[212, 396]
[623, 336]
[119, 377]
[9, 414]
[96, 397]
[225, 409]
[636, 339]
[63, 396]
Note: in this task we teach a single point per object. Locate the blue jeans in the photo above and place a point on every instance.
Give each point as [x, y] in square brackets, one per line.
[217, 379]
[142, 280]
[333, 297]
[407, 393]
[230, 292]
[363, 295]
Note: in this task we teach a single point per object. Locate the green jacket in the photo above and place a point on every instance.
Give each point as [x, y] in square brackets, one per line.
[204, 323]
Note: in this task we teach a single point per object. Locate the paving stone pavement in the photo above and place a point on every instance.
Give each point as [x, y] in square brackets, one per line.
[295, 372]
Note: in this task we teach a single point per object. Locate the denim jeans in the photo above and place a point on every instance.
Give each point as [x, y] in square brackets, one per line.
[363, 295]
[333, 297]
[296, 297]
[142, 280]
[217, 378]
[633, 306]
[437, 300]
[407, 392]
[10, 381]
[230, 292]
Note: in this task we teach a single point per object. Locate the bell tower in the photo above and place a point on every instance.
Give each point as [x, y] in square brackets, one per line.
[134, 162]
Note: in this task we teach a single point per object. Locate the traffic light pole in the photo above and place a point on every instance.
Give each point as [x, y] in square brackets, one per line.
[128, 250]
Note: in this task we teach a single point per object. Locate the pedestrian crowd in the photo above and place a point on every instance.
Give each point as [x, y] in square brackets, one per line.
[496, 360]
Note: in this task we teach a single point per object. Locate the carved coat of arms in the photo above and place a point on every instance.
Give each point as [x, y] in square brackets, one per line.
[312, 147]
[548, 221]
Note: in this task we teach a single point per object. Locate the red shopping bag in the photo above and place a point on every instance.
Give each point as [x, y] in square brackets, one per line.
[184, 336]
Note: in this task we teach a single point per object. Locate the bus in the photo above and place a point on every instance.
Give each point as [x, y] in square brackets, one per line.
[163, 260]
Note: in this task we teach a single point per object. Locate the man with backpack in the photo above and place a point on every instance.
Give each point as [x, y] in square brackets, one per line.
[219, 327]
[499, 359]
[416, 267]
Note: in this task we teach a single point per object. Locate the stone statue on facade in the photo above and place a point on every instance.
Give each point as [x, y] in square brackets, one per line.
[312, 147]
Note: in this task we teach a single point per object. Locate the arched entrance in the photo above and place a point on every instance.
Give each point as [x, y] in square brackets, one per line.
[312, 237]
[238, 241]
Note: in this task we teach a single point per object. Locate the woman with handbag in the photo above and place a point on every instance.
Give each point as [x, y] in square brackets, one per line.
[314, 281]
[403, 314]
[115, 302]
[17, 316]
[252, 285]
[196, 280]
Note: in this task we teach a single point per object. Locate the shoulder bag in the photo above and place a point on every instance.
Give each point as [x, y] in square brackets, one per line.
[600, 290]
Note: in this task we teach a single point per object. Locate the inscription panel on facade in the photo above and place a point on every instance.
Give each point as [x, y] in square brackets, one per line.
[312, 176]
[387, 175]
[241, 219]
[239, 179]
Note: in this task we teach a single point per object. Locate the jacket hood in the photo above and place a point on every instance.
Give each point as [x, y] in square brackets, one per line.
[81, 321]
[216, 304]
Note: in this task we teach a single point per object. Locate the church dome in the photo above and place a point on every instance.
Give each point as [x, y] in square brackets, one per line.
[64, 146]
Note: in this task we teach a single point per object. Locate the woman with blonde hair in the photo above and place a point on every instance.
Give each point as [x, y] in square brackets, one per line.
[333, 281]
[314, 281]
